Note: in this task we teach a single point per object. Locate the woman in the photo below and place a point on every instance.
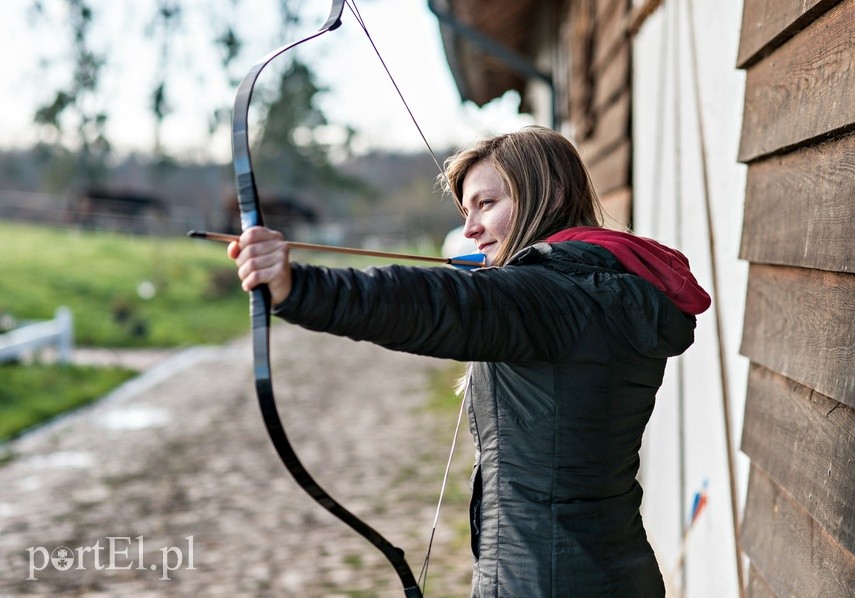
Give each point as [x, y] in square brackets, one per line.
[567, 333]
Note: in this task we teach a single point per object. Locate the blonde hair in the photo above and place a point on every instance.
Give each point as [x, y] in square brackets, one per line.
[543, 175]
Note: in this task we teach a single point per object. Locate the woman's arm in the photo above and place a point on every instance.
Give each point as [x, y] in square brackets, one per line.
[513, 313]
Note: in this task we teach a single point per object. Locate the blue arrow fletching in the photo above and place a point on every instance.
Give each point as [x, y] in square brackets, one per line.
[480, 258]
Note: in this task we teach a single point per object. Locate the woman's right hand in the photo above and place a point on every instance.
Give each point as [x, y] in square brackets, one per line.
[261, 256]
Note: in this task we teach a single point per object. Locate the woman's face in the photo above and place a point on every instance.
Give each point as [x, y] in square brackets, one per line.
[488, 208]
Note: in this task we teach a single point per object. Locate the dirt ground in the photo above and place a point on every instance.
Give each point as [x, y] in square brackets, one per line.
[176, 466]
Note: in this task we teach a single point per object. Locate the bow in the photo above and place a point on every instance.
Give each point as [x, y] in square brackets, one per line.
[259, 306]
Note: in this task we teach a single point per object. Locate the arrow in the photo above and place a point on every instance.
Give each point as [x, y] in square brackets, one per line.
[475, 260]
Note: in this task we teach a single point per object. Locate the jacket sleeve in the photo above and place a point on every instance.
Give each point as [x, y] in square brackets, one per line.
[513, 313]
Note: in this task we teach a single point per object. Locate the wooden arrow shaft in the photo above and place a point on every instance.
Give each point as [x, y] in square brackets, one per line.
[226, 238]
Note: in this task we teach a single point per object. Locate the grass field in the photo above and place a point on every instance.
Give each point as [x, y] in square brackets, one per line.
[32, 394]
[124, 291]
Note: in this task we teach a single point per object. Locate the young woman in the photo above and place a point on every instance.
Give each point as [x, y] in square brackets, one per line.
[567, 332]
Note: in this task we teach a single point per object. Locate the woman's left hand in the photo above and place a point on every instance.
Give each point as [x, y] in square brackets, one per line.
[261, 255]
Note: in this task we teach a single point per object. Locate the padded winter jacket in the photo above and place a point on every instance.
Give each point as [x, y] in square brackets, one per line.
[567, 351]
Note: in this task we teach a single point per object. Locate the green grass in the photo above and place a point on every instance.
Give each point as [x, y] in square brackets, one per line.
[197, 298]
[443, 382]
[32, 394]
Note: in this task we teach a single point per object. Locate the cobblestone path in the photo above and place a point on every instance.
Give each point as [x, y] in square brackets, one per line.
[177, 464]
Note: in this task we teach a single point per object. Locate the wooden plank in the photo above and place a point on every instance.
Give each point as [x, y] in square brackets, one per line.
[803, 90]
[799, 209]
[801, 323]
[581, 84]
[611, 170]
[805, 442]
[613, 79]
[610, 129]
[766, 24]
[610, 33]
[757, 586]
[605, 8]
[789, 549]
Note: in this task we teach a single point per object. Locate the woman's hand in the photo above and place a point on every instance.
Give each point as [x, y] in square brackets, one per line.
[261, 256]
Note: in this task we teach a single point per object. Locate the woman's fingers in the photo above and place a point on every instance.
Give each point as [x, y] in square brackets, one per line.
[261, 256]
[259, 263]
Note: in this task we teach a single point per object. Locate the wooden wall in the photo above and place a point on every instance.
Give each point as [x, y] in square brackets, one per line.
[596, 98]
[798, 139]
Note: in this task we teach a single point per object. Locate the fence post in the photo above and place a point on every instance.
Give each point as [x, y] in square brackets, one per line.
[65, 342]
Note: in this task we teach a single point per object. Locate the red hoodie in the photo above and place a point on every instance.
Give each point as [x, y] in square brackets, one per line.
[667, 269]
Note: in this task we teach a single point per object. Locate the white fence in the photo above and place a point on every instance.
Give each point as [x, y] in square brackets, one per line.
[25, 341]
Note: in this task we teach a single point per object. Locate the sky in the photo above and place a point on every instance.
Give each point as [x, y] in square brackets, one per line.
[360, 94]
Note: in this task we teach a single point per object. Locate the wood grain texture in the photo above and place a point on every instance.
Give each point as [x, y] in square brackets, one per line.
[610, 34]
[605, 8]
[611, 170]
[799, 208]
[581, 89]
[766, 24]
[805, 442]
[803, 90]
[791, 551]
[757, 586]
[611, 128]
[613, 79]
[801, 324]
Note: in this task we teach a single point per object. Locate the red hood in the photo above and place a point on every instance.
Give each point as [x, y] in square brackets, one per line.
[667, 269]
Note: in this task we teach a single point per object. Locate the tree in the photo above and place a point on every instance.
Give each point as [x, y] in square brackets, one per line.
[76, 105]
[74, 120]
[289, 145]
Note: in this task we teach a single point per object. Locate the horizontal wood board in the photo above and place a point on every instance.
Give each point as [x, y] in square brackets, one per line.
[610, 34]
[612, 128]
[801, 324]
[799, 208]
[803, 90]
[792, 552]
[613, 79]
[766, 24]
[805, 442]
[611, 170]
[581, 88]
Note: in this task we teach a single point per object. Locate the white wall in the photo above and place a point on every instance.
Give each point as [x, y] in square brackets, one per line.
[669, 206]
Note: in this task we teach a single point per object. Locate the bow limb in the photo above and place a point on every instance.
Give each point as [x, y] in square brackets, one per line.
[250, 210]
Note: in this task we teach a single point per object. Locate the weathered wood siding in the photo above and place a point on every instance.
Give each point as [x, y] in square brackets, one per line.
[598, 98]
[798, 139]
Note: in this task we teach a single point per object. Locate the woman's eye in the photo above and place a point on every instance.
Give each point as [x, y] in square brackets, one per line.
[486, 203]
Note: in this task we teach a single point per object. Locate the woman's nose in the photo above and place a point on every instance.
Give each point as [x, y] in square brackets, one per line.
[472, 227]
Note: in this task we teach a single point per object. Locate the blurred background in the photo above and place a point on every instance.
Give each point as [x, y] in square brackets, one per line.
[115, 135]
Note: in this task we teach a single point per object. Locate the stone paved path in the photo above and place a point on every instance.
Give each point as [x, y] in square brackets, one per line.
[180, 455]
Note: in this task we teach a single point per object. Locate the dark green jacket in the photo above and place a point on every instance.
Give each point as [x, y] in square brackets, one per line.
[567, 351]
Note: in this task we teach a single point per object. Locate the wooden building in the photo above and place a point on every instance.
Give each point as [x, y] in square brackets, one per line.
[799, 331]
[727, 130]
